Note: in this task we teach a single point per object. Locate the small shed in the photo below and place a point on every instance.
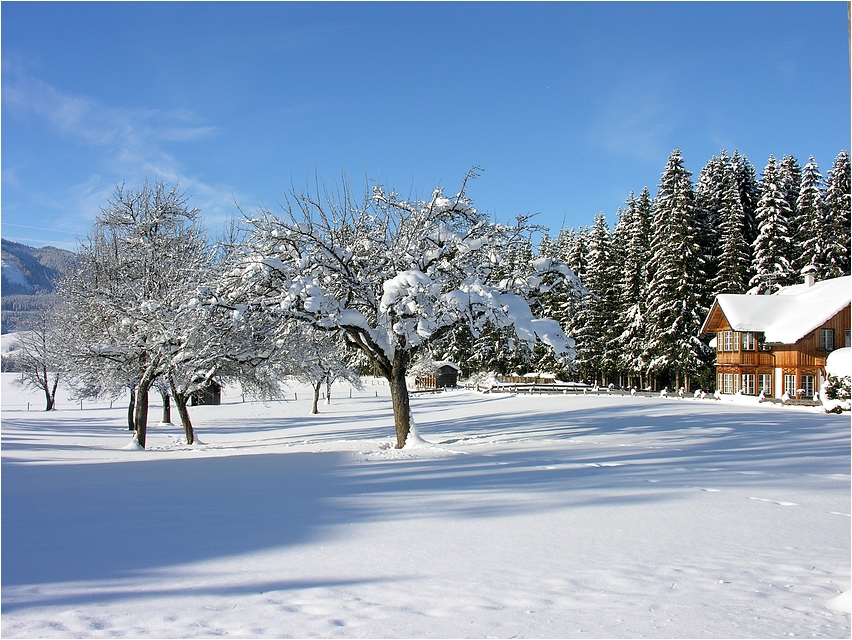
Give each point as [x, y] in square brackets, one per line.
[444, 374]
[211, 393]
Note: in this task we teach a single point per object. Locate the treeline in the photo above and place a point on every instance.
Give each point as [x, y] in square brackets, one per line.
[652, 277]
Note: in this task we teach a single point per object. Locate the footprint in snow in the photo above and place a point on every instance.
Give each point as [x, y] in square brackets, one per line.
[782, 504]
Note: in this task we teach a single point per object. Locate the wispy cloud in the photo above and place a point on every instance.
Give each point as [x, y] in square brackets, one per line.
[636, 119]
[127, 144]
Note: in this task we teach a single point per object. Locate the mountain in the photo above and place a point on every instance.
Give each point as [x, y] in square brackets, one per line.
[28, 278]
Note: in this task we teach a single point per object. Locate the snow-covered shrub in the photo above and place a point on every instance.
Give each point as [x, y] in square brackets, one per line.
[835, 394]
[484, 380]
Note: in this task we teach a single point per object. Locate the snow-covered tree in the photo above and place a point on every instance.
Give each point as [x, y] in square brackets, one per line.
[392, 275]
[837, 206]
[675, 313]
[791, 182]
[813, 235]
[38, 356]
[128, 293]
[594, 327]
[633, 357]
[772, 265]
[730, 251]
[749, 194]
[318, 358]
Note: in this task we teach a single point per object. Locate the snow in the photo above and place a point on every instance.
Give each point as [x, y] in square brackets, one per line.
[530, 516]
[13, 274]
[789, 314]
[839, 363]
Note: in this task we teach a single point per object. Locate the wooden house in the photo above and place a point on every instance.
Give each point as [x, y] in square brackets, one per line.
[445, 374]
[778, 343]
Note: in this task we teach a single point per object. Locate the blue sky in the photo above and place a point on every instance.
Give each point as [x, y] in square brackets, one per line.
[567, 107]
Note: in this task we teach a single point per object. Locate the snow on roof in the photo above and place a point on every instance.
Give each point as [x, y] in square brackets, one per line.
[447, 363]
[839, 363]
[790, 313]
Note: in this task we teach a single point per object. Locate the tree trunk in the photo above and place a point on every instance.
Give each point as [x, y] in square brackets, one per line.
[181, 401]
[328, 389]
[167, 406]
[49, 399]
[140, 418]
[131, 409]
[315, 407]
[401, 401]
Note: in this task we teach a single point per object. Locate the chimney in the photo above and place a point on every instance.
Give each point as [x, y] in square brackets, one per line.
[809, 272]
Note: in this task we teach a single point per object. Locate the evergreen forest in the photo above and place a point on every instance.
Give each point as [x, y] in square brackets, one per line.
[652, 276]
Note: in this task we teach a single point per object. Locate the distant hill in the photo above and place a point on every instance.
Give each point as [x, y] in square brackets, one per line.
[28, 278]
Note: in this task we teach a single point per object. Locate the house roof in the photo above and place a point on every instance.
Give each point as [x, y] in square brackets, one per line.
[786, 316]
[446, 363]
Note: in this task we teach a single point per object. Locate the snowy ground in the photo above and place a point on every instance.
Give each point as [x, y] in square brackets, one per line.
[528, 517]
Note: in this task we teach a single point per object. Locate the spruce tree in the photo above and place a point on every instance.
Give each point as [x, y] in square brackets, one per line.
[675, 313]
[633, 289]
[593, 327]
[812, 235]
[732, 254]
[837, 206]
[791, 182]
[772, 249]
[708, 204]
[749, 194]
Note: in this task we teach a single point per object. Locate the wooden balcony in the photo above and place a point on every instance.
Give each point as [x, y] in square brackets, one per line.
[750, 358]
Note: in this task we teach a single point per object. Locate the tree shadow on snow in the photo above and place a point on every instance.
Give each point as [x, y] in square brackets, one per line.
[116, 520]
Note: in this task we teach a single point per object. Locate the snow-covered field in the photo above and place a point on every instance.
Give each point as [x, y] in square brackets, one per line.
[563, 516]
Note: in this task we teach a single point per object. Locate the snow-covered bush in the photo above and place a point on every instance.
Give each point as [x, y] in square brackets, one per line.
[484, 380]
[835, 394]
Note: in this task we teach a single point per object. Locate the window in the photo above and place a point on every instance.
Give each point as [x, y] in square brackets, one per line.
[728, 386]
[727, 341]
[826, 339]
[748, 341]
[718, 381]
[848, 338]
[808, 386]
[748, 384]
[790, 384]
[764, 384]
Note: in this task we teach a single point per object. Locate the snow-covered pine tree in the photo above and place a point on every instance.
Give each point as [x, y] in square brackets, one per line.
[837, 206]
[749, 194]
[546, 246]
[791, 183]
[772, 264]
[633, 290]
[573, 247]
[812, 235]
[675, 312]
[593, 329]
[708, 204]
[731, 253]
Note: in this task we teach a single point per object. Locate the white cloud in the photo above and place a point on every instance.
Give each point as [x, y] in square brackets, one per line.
[128, 146]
